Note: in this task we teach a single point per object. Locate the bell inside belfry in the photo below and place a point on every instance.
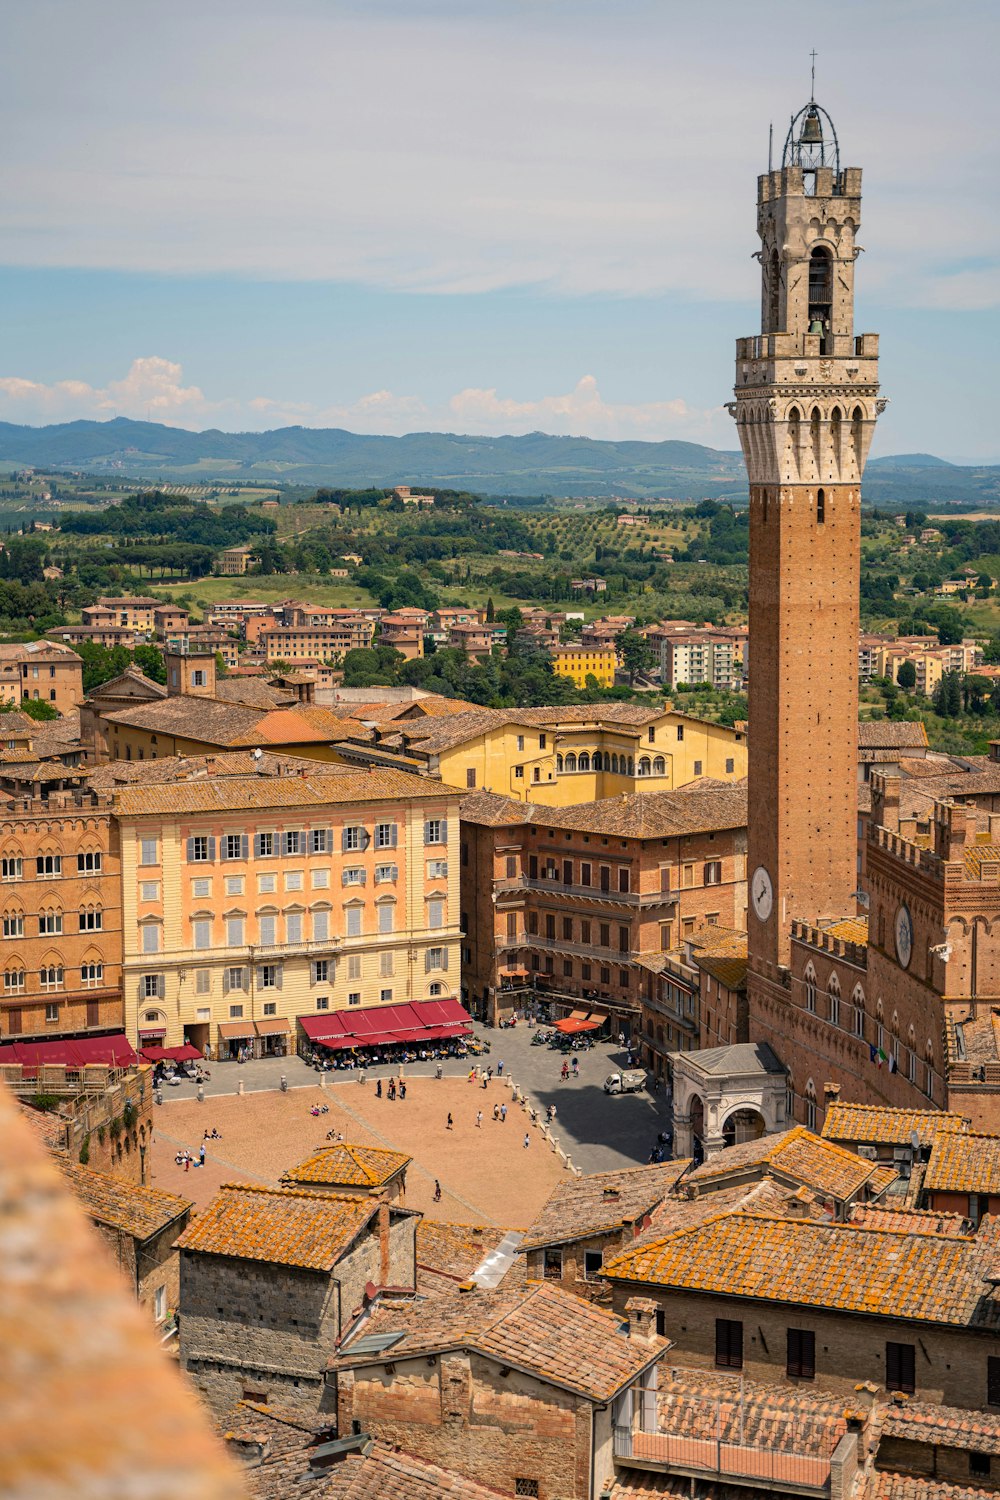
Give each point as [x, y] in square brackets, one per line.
[816, 326]
[812, 130]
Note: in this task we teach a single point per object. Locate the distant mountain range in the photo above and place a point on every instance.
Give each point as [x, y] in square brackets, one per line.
[536, 464]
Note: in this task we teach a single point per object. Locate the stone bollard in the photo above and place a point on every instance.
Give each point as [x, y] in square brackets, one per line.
[322, 1080]
[239, 1087]
[201, 1093]
[554, 1143]
[362, 1076]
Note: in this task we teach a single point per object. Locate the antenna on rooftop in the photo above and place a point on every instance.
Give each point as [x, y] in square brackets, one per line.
[812, 80]
[770, 145]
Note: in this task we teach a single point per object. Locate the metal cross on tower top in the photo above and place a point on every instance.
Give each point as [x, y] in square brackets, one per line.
[812, 85]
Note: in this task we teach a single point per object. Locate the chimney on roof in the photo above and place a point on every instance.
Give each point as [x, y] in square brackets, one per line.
[800, 1203]
[641, 1315]
[612, 1193]
[831, 1092]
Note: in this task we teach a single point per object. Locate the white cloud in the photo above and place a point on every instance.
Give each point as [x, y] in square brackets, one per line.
[154, 390]
[451, 147]
[583, 411]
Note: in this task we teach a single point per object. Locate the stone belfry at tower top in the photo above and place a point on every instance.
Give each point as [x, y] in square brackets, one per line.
[805, 409]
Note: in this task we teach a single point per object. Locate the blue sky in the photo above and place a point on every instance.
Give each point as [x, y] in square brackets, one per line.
[480, 216]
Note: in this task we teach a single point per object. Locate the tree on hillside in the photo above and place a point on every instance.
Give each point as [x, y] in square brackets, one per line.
[149, 660]
[906, 676]
[948, 696]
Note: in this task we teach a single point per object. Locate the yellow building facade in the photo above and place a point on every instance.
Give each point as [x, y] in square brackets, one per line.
[249, 902]
[564, 761]
[580, 662]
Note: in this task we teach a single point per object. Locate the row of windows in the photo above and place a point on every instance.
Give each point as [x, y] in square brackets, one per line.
[610, 877]
[598, 933]
[293, 880]
[15, 1016]
[50, 923]
[204, 848]
[888, 1048]
[270, 976]
[89, 862]
[51, 977]
[293, 929]
[545, 964]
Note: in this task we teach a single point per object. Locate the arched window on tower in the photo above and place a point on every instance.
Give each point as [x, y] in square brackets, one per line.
[816, 439]
[820, 507]
[857, 435]
[810, 1105]
[821, 296]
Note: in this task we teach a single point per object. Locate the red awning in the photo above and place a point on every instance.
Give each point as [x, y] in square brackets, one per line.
[383, 1025]
[185, 1053]
[571, 1026]
[72, 1052]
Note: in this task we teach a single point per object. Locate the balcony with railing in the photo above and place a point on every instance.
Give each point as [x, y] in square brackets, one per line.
[716, 1428]
[552, 885]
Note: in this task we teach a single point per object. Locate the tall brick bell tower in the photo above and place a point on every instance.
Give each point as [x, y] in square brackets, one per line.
[806, 405]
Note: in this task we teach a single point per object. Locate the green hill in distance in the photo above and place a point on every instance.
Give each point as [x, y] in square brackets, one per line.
[532, 465]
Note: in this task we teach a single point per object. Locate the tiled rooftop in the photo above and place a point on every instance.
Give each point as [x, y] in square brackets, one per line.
[911, 1277]
[702, 1404]
[874, 1124]
[349, 1166]
[944, 1426]
[326, 786]
[801, 1155]
[139, 1211]
[890, 734]
[601, 1203]
[910, 1220]
[175, 768]
[961, 1162]
[849, 929]
[770, 1197]
[541, 1329]
[450, 1253]
[283, 1227]
[886, 1486]
[286, 1442]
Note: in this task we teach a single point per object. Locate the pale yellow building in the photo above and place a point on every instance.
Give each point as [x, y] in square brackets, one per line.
[560, 756]
[250, 902]
[579, 662]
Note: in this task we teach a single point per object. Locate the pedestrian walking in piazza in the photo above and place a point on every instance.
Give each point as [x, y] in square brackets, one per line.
[527, 1140]
[451, 1123]
[479, 1120]
[503, 1114]
[496, 1111]
[378, 1088]
[392, 1088]
[402, 1089]
[486, 1081]
[437, 1191]
[489, 1073]
[201, 1154]
[500, 1068]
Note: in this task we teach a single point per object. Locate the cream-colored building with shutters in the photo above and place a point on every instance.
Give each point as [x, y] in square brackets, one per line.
[252, 901]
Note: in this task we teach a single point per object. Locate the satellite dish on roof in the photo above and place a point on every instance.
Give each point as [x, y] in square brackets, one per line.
[915, 1139]
[257, 754]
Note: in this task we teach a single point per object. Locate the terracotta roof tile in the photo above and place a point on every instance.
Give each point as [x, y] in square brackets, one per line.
[885, 1486]
[891, 734]
[349, 1166]
[910, 1220]
[874, 1124]
[139, 1211]
[542, 1329]
[798, 1154]
[961, 1162]
[287, 1228]
[325, 787]
[944, 1426]
[450, 1253]
[849, 929]
[601, 1203]
[912, 1277]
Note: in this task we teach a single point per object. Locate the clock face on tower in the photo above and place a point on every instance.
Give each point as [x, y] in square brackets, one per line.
[761, 893]
[904, 936]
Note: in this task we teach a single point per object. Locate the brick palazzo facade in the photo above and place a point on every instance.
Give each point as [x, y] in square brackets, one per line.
[583, 901]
